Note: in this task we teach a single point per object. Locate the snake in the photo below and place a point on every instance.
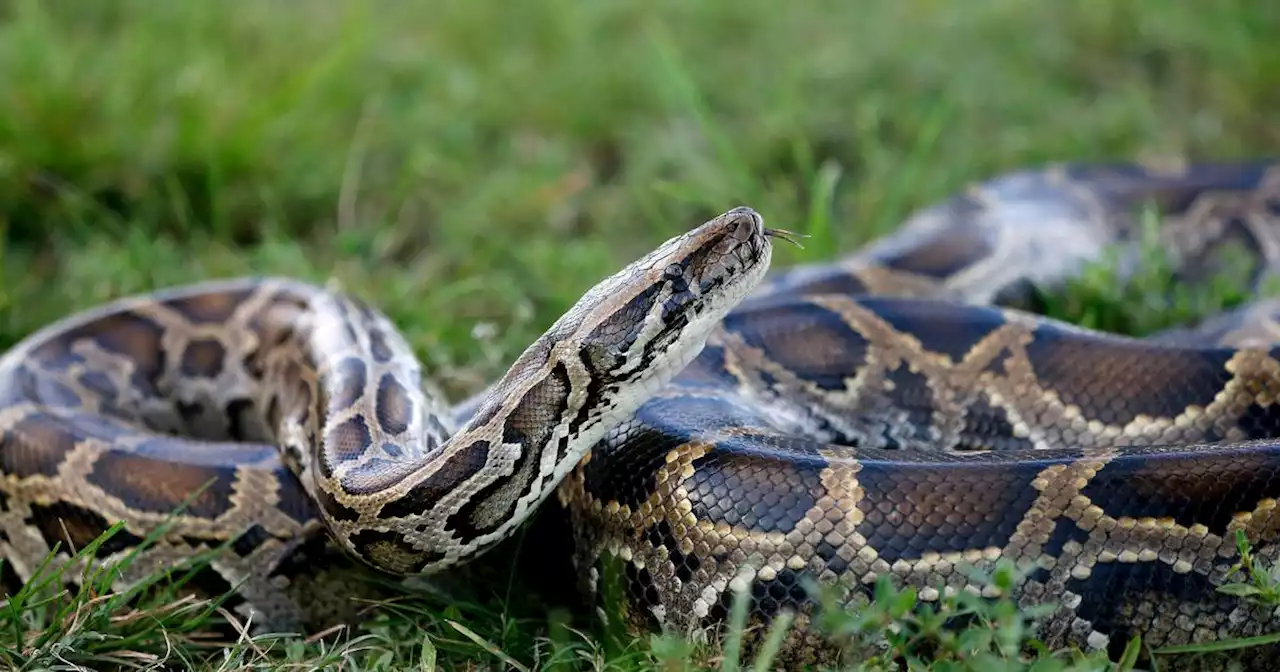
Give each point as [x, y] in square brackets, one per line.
[708, 425]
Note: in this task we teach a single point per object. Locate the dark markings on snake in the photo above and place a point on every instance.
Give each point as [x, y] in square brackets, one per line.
[948, 328]
[342, 304]
[734, 486]
[914, 399]
[312, 551]
[619, 331]
[35, 446]
[154, 484]
[675, 318]
[1102, 375]
[350, 377]
[202, 358]
[345, 442]
[1260, 421]
[811, 342]
[785, 591]
[192, 416]
[641, 588]
[830, 554]
[251, 540]
[395, 409]
[631, 474]
[1205, 488]
[998, 366]
[378, 347]
[254, 364]
[541, 408]
[528, 426]
[460, 466]
[987, 427]
[137, 339]
[937, 507]
[337, 510]
[1113, 589]
[77, 527]
[206, 582]
[1064, 530]
[676, 277]
[660, 535]
[349, 333]
[99, 384]
[672, 309]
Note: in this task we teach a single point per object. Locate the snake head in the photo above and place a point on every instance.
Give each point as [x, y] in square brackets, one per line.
[653, 317]
[635, 330]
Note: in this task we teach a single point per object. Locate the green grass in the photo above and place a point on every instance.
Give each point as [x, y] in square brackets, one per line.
[472, 167]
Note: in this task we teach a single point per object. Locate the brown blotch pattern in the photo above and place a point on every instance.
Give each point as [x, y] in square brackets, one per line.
[203, 358]
[158, 485]
[395, 410]
[35, 446]
[343, 443]
[349, 379]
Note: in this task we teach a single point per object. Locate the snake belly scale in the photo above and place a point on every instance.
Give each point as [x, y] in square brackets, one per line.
[900, 412]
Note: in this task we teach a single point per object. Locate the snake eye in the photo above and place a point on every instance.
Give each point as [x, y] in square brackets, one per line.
[674, 271]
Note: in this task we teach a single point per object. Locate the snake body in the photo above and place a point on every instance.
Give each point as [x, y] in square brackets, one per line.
[897, 413]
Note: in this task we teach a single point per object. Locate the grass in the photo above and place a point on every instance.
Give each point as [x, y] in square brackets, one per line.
[472, 167]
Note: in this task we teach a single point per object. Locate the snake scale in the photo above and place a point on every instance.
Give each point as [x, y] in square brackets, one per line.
[901, 412]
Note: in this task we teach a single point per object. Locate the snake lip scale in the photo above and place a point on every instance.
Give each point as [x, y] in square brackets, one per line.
[900, 412]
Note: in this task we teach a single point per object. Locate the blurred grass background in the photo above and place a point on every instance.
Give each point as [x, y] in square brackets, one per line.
[472, 167]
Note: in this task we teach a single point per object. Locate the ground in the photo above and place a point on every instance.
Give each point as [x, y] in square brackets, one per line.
[472, 167]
